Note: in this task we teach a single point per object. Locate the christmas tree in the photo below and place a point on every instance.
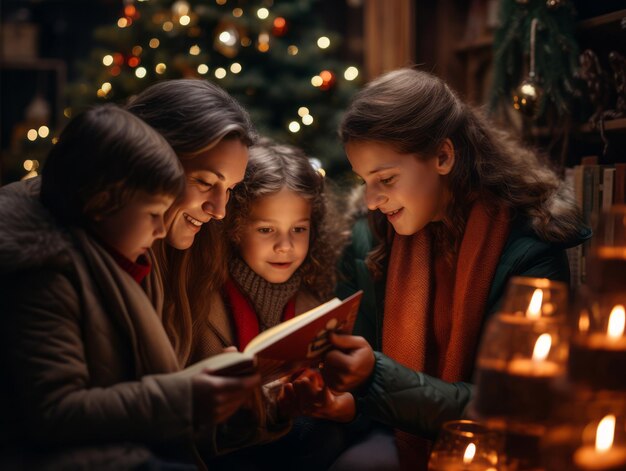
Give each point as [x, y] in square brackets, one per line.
[275, 57]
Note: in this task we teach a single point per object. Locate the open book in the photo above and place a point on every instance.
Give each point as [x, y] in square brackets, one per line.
[292, 345]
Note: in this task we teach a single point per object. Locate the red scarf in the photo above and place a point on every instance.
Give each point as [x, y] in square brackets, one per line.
[244, 316]
[434, 312]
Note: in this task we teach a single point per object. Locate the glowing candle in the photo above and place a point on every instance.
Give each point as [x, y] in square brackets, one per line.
[605, 455]
[598, 358]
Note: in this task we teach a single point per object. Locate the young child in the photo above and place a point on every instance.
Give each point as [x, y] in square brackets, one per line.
[285, 240]
[85, 358]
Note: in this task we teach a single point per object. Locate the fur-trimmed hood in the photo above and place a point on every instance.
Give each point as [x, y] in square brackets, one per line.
[29, 236]
[565, 225]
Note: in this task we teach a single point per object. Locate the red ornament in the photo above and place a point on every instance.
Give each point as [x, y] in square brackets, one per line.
[328, 79]
[133, 61]
[118, 59]
[279, 27]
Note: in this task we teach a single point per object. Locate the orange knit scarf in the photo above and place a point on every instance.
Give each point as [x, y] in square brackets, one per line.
[430, 324]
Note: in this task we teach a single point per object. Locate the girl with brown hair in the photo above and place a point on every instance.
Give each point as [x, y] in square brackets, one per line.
[458, 207]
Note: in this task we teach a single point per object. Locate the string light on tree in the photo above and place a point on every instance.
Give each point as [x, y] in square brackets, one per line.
[194, 50]
[303, 111]
[168, 26]
[264, 42]
[292, 50]
[323, 42]
[140, 72]
[43, 131]
[294, 127]
[220, 73]
[226, 40]
[160, 68]
[31, 135]
[262, 13]
[107, 60]
[351, 73]
[180, 8]
[154, 43]
[235, 67]
[307, 120]
[137, 50]
[553, 4]
[203, 69]
[237, 12]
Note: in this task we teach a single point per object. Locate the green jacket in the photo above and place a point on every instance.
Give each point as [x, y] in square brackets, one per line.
[410, 400]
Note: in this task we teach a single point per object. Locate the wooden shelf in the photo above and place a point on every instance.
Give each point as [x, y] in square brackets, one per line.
[482, 42]
[612, 125]
[602, 20]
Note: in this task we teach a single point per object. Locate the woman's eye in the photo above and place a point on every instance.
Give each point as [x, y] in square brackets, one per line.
[205, 185]
[387, 181]
[264, 230]
[300, 229]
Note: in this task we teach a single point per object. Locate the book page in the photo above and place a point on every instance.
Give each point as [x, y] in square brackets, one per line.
[285, 328]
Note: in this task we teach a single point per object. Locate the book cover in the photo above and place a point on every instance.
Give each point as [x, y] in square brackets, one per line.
[292, 345]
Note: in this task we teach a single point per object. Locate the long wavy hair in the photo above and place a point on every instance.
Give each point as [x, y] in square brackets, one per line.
[193, 116]
[273, 167]
[414, 112]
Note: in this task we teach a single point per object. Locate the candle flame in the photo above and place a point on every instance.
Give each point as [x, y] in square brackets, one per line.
[534, 309]
[583, 321]
[616, 322]
[542, 347]
[605, 433]
[470, 451]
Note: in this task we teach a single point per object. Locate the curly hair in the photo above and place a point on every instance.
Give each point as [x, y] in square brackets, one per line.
[271, 168]
[414, 112]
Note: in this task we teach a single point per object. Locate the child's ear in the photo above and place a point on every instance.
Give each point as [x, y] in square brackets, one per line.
[95, 208]
[445, 157]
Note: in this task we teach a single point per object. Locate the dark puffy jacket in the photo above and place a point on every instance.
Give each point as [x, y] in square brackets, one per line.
[413, 401]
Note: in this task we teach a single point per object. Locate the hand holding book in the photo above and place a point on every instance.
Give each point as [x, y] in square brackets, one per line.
[293, 345]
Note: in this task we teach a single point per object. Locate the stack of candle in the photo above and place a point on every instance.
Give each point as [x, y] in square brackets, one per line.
[590, 425]
[522, 354]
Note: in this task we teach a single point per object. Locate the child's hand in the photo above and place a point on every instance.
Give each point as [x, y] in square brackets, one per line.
[232, 348]
[308, 395]
[216, 398]
[349, 364]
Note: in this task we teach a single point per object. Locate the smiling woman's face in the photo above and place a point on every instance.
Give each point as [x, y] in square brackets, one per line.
[209, 177]
[408, 190]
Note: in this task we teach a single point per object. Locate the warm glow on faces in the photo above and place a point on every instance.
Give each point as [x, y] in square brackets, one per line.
[133, 229]
[209, 177]
[275, 240]
[408, 190]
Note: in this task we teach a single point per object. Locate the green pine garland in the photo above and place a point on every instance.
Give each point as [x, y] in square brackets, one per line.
[556, 53]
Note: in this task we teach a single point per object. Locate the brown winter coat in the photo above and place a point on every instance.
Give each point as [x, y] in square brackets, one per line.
[85, 359]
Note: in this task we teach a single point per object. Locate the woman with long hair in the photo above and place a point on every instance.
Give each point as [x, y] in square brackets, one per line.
[458, 207]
